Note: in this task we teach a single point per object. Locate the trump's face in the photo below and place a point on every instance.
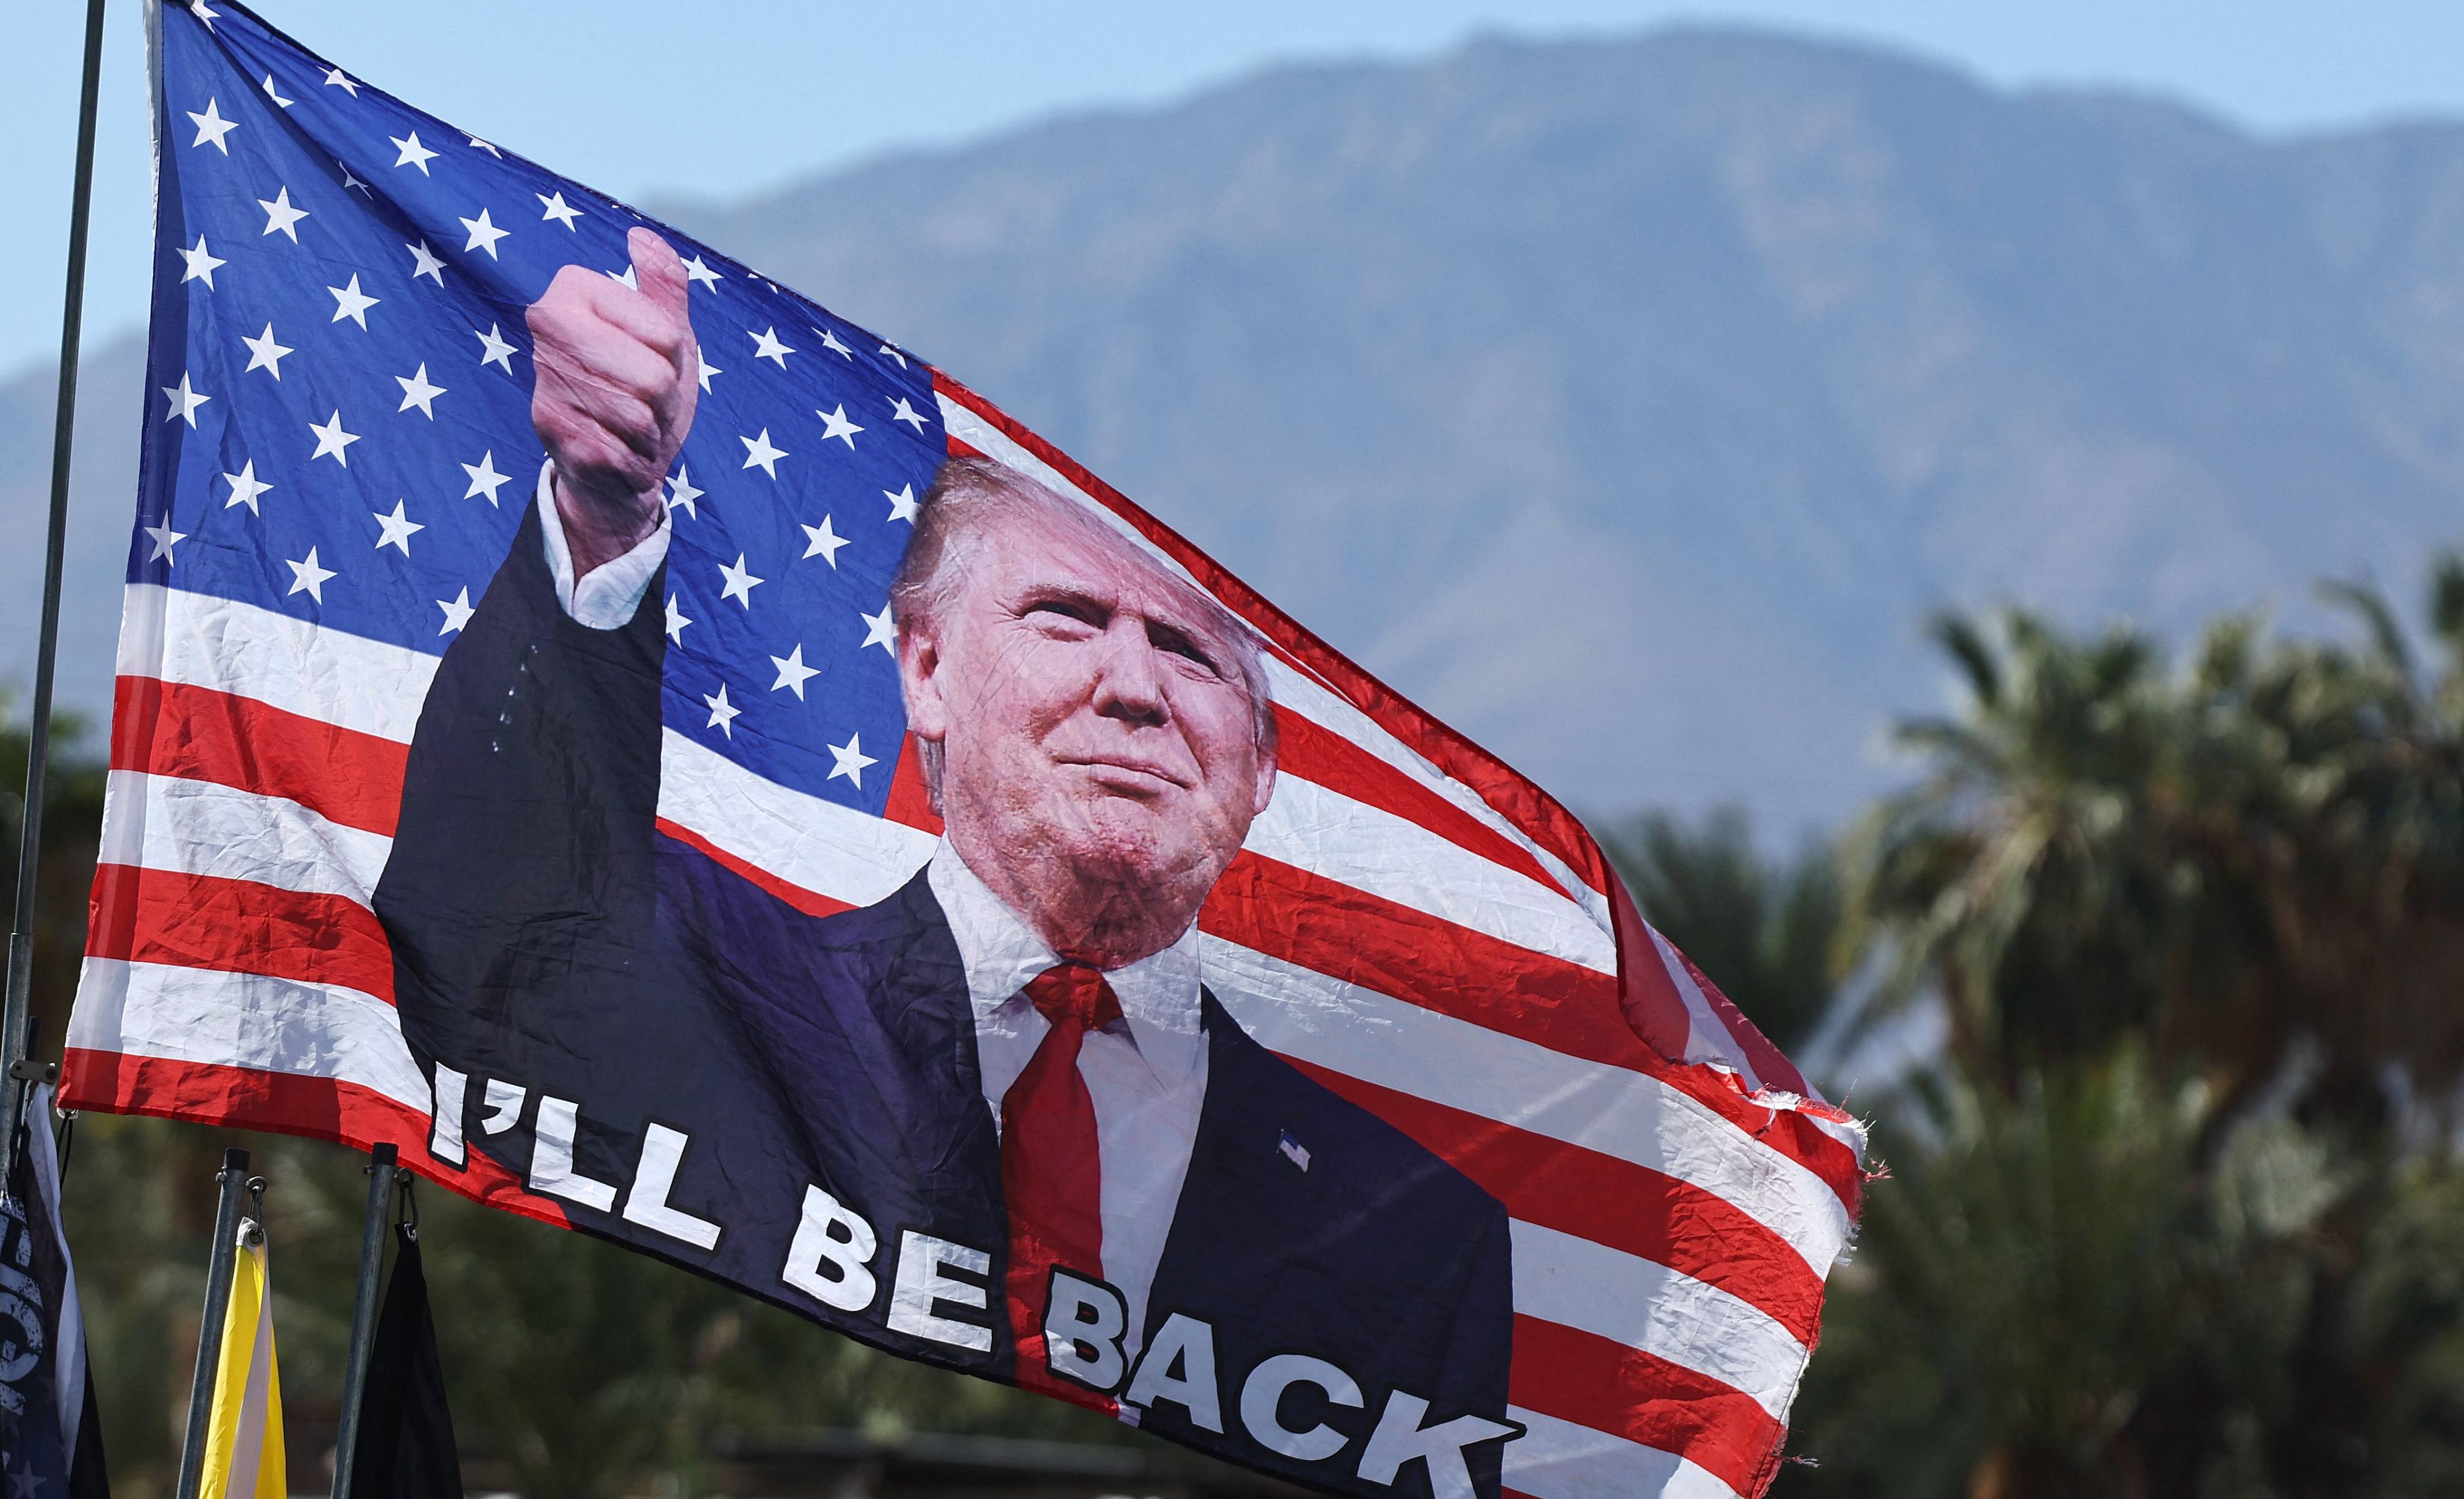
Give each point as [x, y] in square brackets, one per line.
[1100, 763]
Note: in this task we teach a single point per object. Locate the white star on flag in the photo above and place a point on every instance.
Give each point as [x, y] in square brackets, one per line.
[835, 423]
[201, 264]
[681, 493]
[850, 760]
[895, 354]
[484, 234]
[902, 505]
[766, 344]
[793, 673]
[280, 216]
[478, 144]
[351, 181]
[395, 530]
[708, 368]
[879, 631]
[457, 612]
[696, 271]
[740, 582]
[830, 342]
[494, 349]
[211, 126]
[308, 578]
[625, 278]
[413, 154]
[676, 621]
[332, 441]
[204, 13]
[722, 716]
[246, 486]
[424, 261]
[901, 411]
[263, 353]
[824, 542]
[417, 391]
[272, 95]
[185, 401]
[484, 477]
[164, 539]
[557, 208]
[334, 78]
[758, 453]
[350, 302]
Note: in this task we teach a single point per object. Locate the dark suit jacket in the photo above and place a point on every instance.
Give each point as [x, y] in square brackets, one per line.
[547, 937]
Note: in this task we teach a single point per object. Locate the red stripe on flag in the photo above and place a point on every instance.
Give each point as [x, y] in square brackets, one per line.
[1491, 779]
[1607, 1201]
[285, 1103]
[1592, 1382]
[198, 734]
[237, 926]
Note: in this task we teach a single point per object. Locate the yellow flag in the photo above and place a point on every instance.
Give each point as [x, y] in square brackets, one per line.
[244, 1434]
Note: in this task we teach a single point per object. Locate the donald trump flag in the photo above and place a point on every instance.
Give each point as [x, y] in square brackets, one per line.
[689, 770]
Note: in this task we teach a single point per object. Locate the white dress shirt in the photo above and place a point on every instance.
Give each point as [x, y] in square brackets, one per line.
[1145, 1071]
[607, 596]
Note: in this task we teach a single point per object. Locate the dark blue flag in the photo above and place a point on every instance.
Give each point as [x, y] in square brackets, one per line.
[51, 1444]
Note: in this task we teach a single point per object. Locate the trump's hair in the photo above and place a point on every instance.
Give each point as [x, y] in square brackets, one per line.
[971, 495]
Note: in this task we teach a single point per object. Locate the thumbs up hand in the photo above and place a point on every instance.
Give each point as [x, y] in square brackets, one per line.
[617, 374]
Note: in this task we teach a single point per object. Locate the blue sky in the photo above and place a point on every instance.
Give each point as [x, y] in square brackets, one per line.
[721, 97]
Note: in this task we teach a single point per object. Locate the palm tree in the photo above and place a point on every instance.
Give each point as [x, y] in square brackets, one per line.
[2253, 863]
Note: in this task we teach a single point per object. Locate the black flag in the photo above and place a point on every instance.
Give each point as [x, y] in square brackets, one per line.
[405, 1447]
[48, 1431]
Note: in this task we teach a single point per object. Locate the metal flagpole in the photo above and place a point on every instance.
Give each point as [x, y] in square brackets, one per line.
[14, 1012]
[382, 1171]
[233, 1177]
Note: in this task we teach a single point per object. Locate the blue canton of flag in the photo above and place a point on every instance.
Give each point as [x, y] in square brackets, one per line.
[341, 407]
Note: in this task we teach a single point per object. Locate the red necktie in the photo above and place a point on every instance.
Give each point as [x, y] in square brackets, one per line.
[1052, 1176]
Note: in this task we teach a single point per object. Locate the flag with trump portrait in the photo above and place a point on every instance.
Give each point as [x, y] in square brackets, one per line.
[686, 769]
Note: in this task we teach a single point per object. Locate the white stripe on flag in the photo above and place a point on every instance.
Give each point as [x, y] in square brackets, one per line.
[314, 670]
[245, 1020]
[199, 828]
[1668, 1314]
[1394, 858]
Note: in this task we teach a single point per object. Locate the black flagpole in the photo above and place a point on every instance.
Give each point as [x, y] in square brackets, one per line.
[220, 1262]
[16, 1013]
[382, 1172]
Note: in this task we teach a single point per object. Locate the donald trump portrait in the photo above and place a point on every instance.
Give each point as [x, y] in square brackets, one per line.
[999, 1119]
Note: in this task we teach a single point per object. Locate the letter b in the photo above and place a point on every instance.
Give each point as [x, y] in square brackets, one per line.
[833, 1235]
[1083, 1322]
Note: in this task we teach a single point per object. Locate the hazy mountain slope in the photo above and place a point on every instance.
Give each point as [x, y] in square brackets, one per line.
[1628, 403]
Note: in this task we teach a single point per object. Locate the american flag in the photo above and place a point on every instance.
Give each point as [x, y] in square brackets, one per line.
[337, 453]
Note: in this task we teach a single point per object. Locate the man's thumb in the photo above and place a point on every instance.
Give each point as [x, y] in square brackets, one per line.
[657, 271]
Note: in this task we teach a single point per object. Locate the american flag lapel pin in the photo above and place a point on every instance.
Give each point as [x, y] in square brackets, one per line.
[1293, 1149]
